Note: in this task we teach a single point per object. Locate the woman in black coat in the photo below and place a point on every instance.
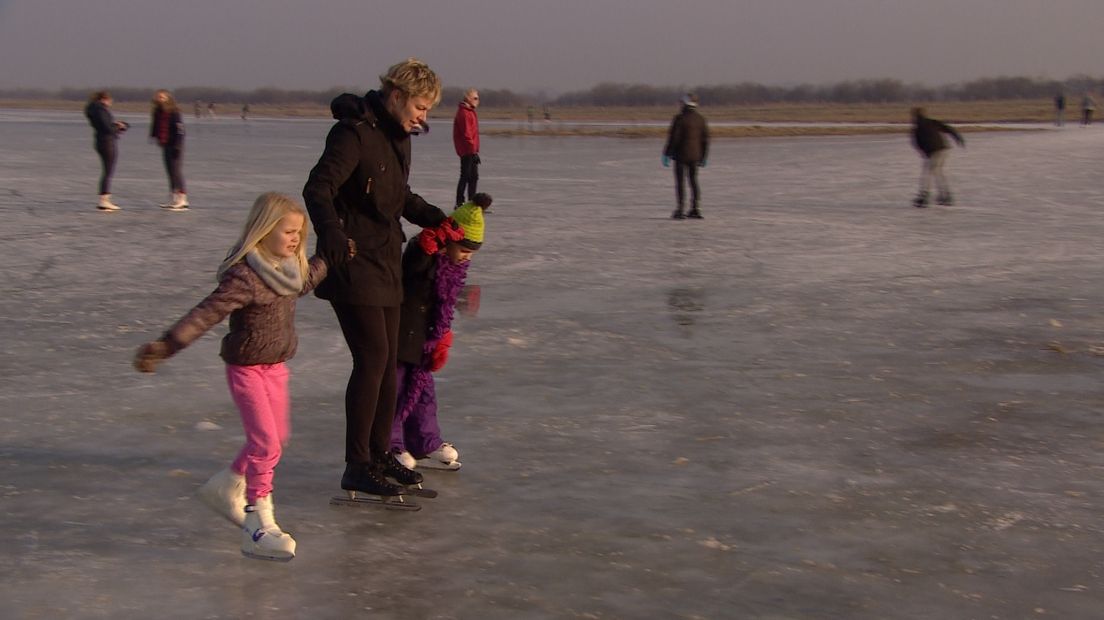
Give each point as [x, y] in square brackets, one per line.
[107, 131]
[357, 192]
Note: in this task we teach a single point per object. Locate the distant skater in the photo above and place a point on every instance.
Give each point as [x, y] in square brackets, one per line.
[435, 267]
[264, 274]
[688, 145]
[465, 138]
[1059, 109]
[1088, 106]
[107, 131]
[927, 137]
[359, 190]
[167, 128]
[245, 112]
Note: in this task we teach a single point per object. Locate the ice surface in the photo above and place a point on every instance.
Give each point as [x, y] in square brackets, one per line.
[817, 402]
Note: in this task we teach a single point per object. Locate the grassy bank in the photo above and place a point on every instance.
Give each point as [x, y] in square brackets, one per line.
[564, 120]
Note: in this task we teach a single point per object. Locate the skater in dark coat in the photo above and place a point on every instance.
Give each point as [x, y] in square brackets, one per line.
[688, 145]
[167, 128]
[107, 131]
[434, 272]
[927, 137]
[358, 190]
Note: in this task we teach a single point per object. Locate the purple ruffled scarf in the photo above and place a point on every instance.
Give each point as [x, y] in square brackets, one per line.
[447, 287]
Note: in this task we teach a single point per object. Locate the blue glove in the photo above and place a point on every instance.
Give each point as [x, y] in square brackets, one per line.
[702, 164]
[666, 162]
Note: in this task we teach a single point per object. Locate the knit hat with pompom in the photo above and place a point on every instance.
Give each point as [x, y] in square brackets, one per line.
[470, 217]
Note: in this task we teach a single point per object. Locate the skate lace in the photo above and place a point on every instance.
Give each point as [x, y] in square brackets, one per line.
[392, 467]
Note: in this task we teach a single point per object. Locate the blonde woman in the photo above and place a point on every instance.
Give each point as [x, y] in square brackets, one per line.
[167, 128]
[359, 190]
[259, 282]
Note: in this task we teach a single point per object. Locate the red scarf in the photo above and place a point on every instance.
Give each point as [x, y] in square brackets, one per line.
[162, 127]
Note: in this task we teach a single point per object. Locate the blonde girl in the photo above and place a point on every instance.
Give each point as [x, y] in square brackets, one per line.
[167, 128]
[264, 274]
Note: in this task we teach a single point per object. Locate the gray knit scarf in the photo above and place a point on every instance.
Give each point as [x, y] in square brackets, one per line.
[283, 276]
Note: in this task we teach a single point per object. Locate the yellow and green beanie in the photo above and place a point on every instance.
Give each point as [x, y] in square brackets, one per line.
[470, 217]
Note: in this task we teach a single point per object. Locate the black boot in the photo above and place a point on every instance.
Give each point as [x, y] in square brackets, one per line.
[921, 200]
[694, 214]
[946, 199]
[365, 478]
[678, 215]
[392, 468]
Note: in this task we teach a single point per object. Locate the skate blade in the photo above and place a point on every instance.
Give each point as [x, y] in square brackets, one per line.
[419, 491]
[438, 465]
[394, 502]
[270, 558]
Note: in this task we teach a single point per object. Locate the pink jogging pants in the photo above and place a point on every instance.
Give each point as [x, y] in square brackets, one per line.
[261, 393]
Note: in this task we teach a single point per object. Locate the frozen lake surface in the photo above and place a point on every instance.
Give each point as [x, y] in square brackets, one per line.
[818, 402]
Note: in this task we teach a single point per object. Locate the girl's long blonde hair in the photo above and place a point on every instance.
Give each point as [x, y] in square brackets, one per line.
[268, 209]
[170, 102]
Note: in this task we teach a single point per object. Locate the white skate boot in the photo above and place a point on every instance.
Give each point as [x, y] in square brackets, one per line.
[178, 202]
[441, 458]
[407, 459]
[225, 494]
[261, 537]
[105, 203]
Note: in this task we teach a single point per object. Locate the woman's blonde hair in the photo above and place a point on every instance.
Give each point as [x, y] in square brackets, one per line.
[268, 209]
[170, 102]
[412, 78]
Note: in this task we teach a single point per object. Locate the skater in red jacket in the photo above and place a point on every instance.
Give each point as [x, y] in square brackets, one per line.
[465, 137]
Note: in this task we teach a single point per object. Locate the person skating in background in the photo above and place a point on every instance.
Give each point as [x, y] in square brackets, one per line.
[98, 112]
[927, 137]
[465, 137]
[167, 128]
[435, 267]
[688, 145]
[358, 190]
[1059, 109]
[260, 280]
[1088, 106]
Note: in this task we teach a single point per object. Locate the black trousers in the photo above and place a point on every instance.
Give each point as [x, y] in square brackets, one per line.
[469, 177]
[372, 333]
[106, 149]
[173, 157]
[689, 170]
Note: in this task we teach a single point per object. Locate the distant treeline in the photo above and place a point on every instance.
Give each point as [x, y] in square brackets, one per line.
[615, 94]
[273, 96]
[860, 91]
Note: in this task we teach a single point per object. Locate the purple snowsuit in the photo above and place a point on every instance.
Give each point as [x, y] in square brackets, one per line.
[431, 286]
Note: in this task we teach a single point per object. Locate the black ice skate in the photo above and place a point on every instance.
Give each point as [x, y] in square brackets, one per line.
[946, 200]
[365, 485]
[694, 214]
[408, 478]
[678, 215]
[921, 200]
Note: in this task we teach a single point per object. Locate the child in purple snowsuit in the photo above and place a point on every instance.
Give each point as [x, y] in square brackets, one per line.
[434, 269]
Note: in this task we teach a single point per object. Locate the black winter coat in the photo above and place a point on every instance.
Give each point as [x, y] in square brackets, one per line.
[360, 183]
[419, 299]
[176, 129]
[688, 138]
[927, 135]
[102, 121]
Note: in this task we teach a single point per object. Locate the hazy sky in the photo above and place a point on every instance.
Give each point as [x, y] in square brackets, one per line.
[554, 45]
